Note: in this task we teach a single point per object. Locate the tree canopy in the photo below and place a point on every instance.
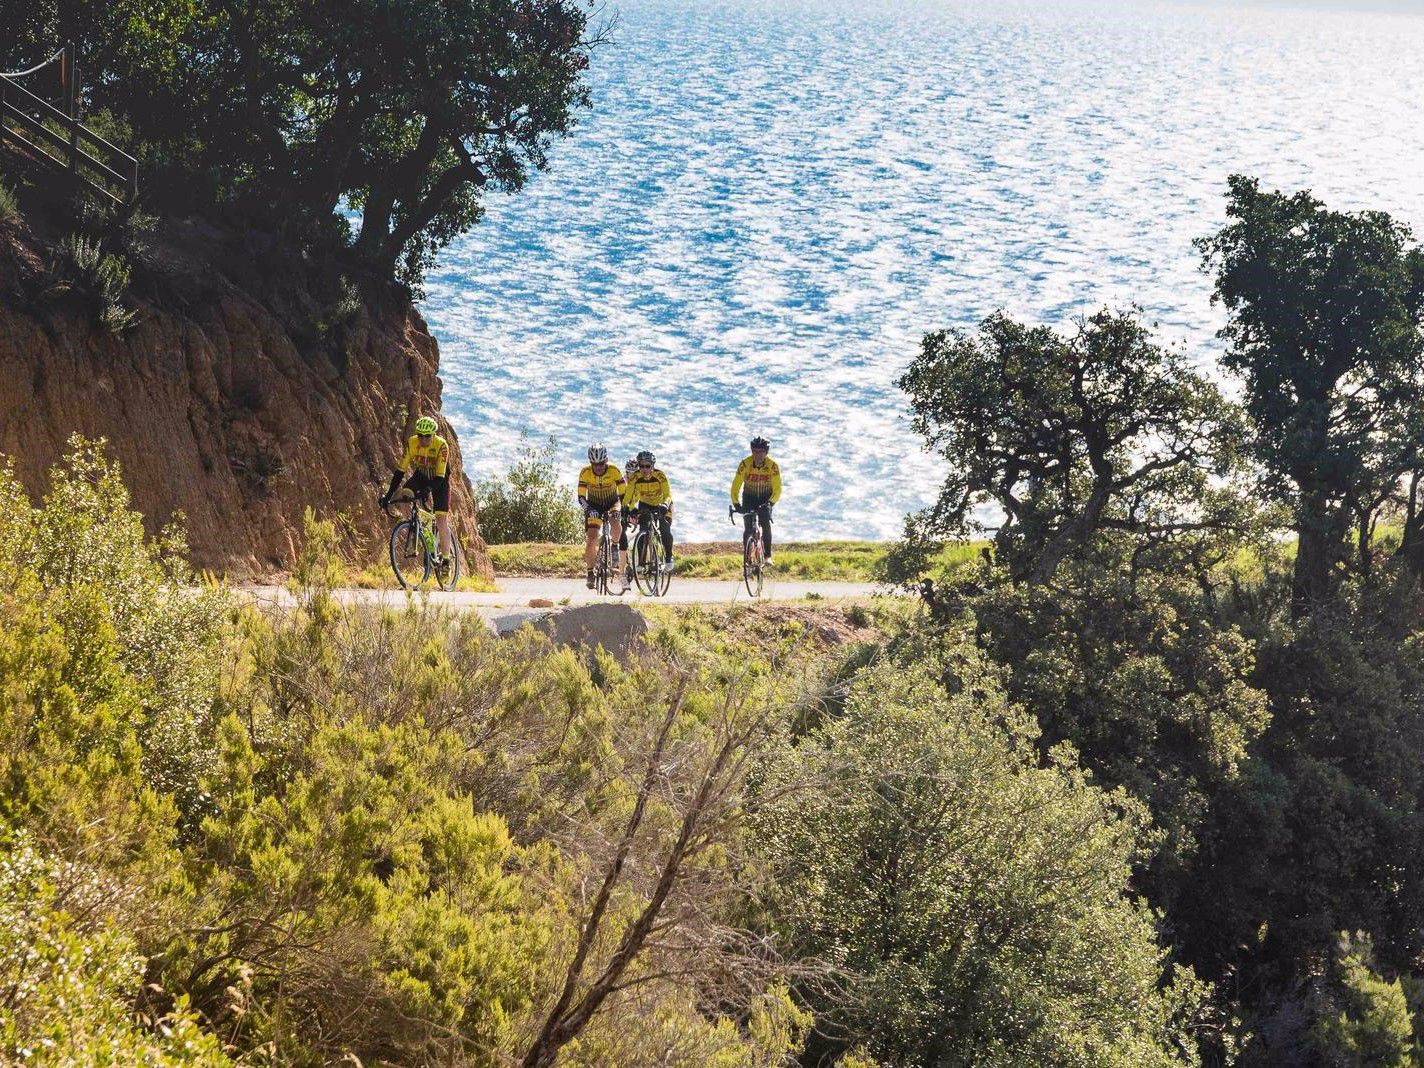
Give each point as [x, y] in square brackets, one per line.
[405, 113]
[1218, 607]
[1101, 430]
[1324, 331]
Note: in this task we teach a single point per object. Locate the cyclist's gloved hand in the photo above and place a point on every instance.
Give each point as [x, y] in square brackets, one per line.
[385, 501]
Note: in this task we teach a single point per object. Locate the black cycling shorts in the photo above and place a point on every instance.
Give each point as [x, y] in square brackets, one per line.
[596, 513]
[439, 488]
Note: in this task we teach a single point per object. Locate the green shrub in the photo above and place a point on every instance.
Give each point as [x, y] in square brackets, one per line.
[528, 503]
[70, 983]
[9, 205]
[341, 833]
[1373, 1027]
[79, 265]
[976, 901]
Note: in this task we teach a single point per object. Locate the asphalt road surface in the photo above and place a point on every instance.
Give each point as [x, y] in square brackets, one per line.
[519, 592]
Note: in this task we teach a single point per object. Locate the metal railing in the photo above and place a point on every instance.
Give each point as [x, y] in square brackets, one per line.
[31, 124]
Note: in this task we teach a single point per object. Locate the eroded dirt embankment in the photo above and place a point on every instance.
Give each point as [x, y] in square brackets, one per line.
[243, 394]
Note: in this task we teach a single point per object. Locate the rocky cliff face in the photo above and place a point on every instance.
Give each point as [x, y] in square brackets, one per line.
[237, 399]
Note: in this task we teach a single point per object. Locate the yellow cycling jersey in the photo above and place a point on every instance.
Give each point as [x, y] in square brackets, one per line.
[603, 490]
[431, 460]
[755, 484]
[650, 487]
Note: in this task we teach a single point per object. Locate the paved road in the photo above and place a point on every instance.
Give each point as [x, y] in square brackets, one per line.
[518, 592]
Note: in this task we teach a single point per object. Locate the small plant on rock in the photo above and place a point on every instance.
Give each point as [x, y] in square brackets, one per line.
[80, 265]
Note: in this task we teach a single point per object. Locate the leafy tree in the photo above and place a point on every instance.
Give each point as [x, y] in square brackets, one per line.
[1373, 1028]
[529, 503]
[1068, 436]
[407, 112]
[1323, 830]
[1137, 670]
[1325, 313]
[975, 899]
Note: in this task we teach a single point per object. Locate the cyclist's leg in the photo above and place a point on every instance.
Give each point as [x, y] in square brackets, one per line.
[748, 518]
[591, 530]
[665, 525]
[764, 514]
[615, 531]
[440, 490]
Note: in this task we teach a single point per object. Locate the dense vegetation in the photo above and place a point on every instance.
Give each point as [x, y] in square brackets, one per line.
[367, 129]
[230, 837]
[1218, 606]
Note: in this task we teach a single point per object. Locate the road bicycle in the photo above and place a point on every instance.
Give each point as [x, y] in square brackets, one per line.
[753, 554]
[415, 545]
[603, 563]
[646, 554]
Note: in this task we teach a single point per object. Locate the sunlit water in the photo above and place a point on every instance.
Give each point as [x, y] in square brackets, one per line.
[771, 202]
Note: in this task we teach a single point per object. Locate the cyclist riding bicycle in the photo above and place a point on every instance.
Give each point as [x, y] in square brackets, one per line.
[649, 496]
[630, 518]
[600, 493]
[427, 462]
[758, 481]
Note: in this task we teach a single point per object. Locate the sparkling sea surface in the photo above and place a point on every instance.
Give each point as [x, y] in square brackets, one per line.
[771, 202]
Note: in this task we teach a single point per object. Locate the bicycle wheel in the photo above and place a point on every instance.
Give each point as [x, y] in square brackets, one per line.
[664, 577]
[448, 577]
[751, 563]
[408, 558]
[647, 562]
[603, 570]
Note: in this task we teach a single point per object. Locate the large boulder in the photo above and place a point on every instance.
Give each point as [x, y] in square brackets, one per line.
[616, 627]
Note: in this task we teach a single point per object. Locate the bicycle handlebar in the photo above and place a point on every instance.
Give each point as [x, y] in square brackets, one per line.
[402, 496]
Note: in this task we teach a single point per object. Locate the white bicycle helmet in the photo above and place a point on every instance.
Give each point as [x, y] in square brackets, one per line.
[597, 454]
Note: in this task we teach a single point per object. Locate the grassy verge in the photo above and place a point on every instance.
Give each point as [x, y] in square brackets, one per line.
[825, 561]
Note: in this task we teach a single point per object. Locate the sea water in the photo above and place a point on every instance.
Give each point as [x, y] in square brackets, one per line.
[770, 203]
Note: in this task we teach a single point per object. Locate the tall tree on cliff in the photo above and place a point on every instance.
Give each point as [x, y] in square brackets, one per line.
[1325, 315]
[405, 111]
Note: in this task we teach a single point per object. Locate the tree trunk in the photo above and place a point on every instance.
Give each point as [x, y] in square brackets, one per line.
[423, 214]
[1411, 542]
[1318, 542]
[402, 183]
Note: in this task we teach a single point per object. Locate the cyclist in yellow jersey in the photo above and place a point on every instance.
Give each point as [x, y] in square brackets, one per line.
[629, 518]
[427, 462]
[649, 496]
[600, 495]
[756, 487]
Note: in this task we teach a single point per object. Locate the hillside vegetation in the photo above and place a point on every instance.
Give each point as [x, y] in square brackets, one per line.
[231, 837]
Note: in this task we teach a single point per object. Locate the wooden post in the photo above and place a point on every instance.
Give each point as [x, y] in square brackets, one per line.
[66, 77]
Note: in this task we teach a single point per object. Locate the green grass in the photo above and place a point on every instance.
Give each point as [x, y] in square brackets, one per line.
[825, 561]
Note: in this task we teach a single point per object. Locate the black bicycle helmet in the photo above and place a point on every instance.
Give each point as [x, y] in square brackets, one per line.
[760, 443]
[646, 457]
